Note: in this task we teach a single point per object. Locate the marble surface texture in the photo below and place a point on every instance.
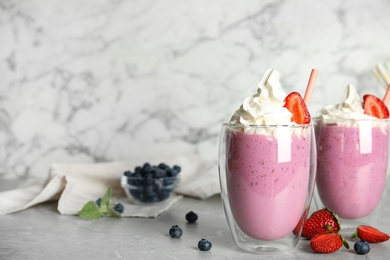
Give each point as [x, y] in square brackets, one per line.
[102, 80]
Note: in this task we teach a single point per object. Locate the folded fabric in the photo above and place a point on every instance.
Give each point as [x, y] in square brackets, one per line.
[75, 184]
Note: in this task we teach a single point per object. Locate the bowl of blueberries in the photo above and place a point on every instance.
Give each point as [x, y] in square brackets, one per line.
[150, 183]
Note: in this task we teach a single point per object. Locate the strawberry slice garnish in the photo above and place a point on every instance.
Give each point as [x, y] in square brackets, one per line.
[375, 107]
[296, 105]
[370, 234]
[322, 221]
[327, 243]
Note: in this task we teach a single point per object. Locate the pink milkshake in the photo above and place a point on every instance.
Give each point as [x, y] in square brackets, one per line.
[352, 143]
[267, 197]
[352, 167]
[267, 161]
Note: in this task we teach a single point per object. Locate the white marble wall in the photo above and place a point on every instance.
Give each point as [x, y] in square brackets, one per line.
[101, 80]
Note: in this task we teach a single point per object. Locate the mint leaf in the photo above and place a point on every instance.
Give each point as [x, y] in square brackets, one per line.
[90, 211]
[105, 205]
[113, 213]
[106, 198]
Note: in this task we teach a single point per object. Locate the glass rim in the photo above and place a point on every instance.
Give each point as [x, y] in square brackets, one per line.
[374, 119]
[155, 178]
[267, 126]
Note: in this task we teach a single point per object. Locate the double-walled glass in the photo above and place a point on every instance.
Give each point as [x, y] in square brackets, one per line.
[267, 176]
[352, 169]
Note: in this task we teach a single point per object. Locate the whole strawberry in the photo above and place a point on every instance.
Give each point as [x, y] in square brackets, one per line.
[327, 243]
[370, 234]
[321, 222]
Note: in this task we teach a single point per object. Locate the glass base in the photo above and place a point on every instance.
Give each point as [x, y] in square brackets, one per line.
[280, 246]
[270, 249]
[350, 225]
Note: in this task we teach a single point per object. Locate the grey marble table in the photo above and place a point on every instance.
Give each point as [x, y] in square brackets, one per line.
[42, 233]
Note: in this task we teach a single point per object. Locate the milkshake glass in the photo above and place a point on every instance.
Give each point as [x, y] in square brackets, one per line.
[352, 168]
[267, 176]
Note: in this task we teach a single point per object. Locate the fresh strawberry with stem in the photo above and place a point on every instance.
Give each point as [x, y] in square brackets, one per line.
[327, 243]
[375, 107]
[296, 105]
[318, 223]
[370, 234]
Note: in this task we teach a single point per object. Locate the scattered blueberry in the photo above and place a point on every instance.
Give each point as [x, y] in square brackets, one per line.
[191, 217]
[150, 183]
[204, 245]
[175, 231]
[99, 201]
[361, 247]
[119, 208]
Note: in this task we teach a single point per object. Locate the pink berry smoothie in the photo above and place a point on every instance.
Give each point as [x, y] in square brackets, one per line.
[349, 182]
[267, 197]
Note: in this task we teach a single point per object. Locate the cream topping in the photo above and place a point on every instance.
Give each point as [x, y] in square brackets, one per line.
[350, 108]
[266, 106]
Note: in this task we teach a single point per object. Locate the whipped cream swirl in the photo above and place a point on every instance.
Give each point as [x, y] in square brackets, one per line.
[266, 106]
[350, 109]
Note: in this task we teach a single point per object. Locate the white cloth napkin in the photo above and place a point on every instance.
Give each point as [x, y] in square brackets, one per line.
[73, 185]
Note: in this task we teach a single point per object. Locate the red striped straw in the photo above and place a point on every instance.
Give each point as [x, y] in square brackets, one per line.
[310, 86]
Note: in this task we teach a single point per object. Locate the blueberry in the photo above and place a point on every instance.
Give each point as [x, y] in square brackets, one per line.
[146, 168]
[164, 194]
[152, 198]
[119, 208]
[175, 231]
[191, 217]
[153, 170]
[176, 168]
[147, 180]
[168, 182]
[99, 201]
[163, 166]
[138, 170]
[133, 182]
[149, 189]
[136, 175]
[148, 174]
[171, 172]
[160, 173]
[204, 245]
[128, 173]
[138, 194]
[361, 247]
